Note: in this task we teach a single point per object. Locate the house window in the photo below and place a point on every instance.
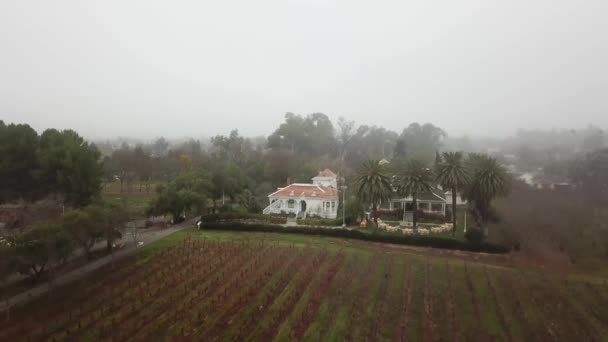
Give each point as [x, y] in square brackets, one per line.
[333, 206]
[436, 207]
[327, 205]
[290, 204]
[423, 206]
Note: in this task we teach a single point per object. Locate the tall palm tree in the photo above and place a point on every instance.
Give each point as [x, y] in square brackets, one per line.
[452, 173]
[488, 181]
[373, 185]
[415, 179]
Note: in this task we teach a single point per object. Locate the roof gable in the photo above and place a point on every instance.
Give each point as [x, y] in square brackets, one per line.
[327, 173]
[306, 190]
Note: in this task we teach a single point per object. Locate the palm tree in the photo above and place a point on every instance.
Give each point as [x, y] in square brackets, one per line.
[488, 181]
[373, 185]
[416, 178]
[452, 173]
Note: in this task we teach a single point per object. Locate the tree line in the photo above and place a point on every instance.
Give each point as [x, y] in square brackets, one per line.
[197, 176]
[58, 162]
[48, 246]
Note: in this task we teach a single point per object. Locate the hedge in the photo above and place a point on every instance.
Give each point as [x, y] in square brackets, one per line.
[320, 222]
[422, 241]
[235, 216]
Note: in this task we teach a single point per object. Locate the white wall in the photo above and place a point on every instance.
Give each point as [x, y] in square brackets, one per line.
[313, 207]
[325, 181]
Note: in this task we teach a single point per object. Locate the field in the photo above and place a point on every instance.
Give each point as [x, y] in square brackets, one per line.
[136, 198]
[249, 286]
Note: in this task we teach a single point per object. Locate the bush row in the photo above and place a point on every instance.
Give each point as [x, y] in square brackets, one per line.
[421, 216]
[422, 241]
[235, 216]
[320, 222]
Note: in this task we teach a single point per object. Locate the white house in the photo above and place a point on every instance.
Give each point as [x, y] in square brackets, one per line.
[317, 199]
[433, 202]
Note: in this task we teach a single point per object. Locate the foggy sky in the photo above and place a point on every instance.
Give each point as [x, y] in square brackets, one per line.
[198, 68]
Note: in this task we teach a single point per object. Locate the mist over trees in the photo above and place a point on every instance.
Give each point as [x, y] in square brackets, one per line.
[192, 176]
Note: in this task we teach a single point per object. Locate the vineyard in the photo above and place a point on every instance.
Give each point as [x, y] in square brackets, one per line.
[263, 287]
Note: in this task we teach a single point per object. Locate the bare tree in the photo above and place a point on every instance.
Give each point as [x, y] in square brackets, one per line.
[345, 135]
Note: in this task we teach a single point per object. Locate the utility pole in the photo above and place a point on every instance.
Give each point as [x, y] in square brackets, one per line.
[344, 187]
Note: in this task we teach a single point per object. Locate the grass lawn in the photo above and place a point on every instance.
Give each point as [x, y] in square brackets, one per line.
[136, 199]
[216, 285]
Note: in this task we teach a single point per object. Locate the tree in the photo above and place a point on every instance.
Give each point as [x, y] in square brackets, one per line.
[85, 227]
[186, 194]
[248, 201]
[590, 173]
[346, 133]
[452, 173]
[373, 185]
[160, 147]
[488, 180]
[594, 139]
[8, 266]
[121, 164]
[185, 162]
[416, 178]
[110, 219]
[312, 135]
[38, 248]
[191, 148]
[230, 147]
[370, 143]
[142, 166]
[18, 146]
[353, 210]
[112, 222]
[419, 141]
[70, 166]
[227, 179]
[400, 150]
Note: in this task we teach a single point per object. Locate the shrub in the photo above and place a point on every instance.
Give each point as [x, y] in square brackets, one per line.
[284, 214]
[390, 218]
[236, 216]
[225, 208]
[354, 210]
[474, 236]
[397, 215]
[423, 241]
[431, 218]
[320, 222]
[391, 215]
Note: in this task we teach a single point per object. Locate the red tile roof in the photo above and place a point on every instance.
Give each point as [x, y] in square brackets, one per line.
[327, 173]
[306, 190]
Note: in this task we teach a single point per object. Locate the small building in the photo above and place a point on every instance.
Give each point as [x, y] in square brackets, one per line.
[319, 199]
[433, 202]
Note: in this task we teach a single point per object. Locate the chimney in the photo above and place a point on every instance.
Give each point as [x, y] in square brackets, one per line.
[288, 181]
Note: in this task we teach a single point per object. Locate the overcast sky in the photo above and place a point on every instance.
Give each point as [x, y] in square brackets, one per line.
[198, 68]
